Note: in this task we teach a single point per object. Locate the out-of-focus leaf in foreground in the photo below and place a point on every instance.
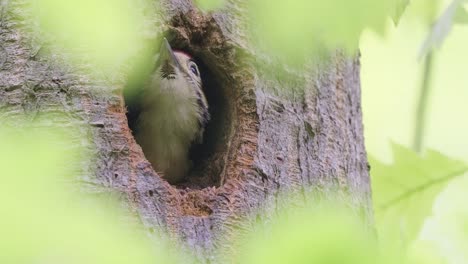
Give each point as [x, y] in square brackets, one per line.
[404, 192]
[461, 16]
[400, 7]
[106, 29]
[209, 5]
[424, 252]
[42, 219]
[330, 234]
[448, 226]
[300, 29]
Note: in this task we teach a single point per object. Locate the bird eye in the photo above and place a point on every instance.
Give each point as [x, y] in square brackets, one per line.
[193, 68]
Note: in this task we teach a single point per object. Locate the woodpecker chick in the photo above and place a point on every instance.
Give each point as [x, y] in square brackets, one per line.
[174, 114]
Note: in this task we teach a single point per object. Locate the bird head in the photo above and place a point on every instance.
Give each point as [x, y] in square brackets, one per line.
[174, 65]
[178, 74]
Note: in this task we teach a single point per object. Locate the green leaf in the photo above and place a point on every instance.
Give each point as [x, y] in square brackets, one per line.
[45, 220]
[300, 29]
[105, 31]
[399, 9]
[209, 5]
[315, 234]
[425, 252]
[447, 228]
[404, 192]
[461, 16]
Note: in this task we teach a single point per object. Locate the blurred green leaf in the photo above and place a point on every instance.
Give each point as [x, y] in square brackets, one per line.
[300, 29]
[44, 221]
[400, 7]
[209, 5]
[447, 228]
[404, 192]
[461, 16]
[425, 252]
[331, 234]
[106, 31]
[425, 10]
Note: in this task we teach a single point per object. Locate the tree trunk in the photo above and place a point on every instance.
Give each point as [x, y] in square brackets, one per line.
[273, 129]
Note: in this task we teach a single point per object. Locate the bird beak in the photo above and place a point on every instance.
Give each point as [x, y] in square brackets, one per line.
[166, 54]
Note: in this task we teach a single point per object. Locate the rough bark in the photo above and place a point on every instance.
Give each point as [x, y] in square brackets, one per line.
[270, 134]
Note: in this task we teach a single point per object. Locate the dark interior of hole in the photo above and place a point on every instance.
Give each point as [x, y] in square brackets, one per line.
[207, 163]
[207, 158]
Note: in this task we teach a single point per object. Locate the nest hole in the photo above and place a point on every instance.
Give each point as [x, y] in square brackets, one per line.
[209, 157]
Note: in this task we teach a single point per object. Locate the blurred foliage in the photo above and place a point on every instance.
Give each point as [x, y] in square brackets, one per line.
[404, 192]
[104, 31]
[461, 16]
[426, 10]
[409, 193]
[209, 5]
[424, 252]
[319, 232]
[400, 7]
[44, 221]
[299, 29]
[447, 228]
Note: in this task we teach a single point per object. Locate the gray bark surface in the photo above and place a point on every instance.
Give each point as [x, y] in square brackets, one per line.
[299, 133]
